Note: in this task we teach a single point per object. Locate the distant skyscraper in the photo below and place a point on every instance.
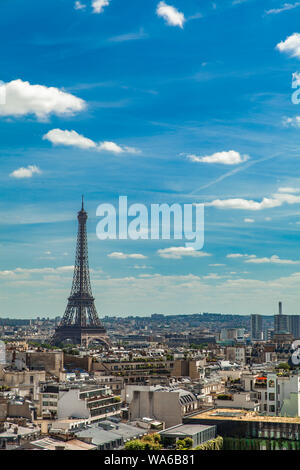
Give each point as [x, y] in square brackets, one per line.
[281, 322]
[256, 328]
[294, 324]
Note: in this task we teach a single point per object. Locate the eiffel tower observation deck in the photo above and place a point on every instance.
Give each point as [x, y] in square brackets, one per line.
[80, 324]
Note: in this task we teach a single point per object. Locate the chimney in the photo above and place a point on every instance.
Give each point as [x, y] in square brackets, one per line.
[280, 308]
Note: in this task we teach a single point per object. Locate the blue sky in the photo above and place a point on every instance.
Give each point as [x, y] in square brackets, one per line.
[165, 102]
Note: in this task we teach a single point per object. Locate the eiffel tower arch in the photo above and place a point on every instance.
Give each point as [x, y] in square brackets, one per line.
[80, 323]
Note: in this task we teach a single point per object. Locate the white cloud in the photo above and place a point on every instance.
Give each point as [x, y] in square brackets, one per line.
[288, 198]
[25, 172]
[110, 147]
[26, 272]
[273, 259]
[244, 204]
[120, 255]
[291, 45]
[98, 5]
[285, 7]
[289, 190]
[129, 36]
[72, 138]
[292, 121]
[171, 15]
[22, 99]
[213, 276]
[235, 255]
[249, 221]
[79, 6]
[277, 200]
[130, 149]
[177, 252]
[230, 157]
[253, 259]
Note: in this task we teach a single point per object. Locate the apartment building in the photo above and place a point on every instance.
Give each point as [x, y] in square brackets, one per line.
[278, 395]
[164, 404]
[135, 371]
[92, 402]
[25, 383]
[283, 395]
[236, 354]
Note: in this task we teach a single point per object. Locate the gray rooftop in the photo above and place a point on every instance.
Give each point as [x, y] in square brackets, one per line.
[21, 431]
[185, 430]
[99, 436]
[127, 431]
[107, 431]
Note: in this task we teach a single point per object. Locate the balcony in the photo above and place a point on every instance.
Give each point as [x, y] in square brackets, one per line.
[260, 385]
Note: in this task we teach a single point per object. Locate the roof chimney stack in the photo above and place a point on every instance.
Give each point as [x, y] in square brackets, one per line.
[280, 308]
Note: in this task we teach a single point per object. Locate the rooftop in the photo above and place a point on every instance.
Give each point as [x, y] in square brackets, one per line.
[240, 414]
[185, 429]
[21, 431]
[107, 431]
[50, 444]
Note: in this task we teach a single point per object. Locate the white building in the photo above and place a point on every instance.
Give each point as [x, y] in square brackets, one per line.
[160, 403]
[91, 402]
[283, 395]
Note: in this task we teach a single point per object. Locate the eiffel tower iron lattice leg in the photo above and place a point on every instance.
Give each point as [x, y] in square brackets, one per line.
[80, 323]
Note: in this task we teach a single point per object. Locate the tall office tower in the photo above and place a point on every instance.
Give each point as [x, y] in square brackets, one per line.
[80, 323]
[256, 328]
[294, 321]
[281, 322]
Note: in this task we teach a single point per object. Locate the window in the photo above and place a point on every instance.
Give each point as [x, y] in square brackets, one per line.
[271, 383]
[271, 396]
[272, 408]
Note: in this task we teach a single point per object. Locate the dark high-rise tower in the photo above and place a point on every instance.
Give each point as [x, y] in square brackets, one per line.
[80, 323]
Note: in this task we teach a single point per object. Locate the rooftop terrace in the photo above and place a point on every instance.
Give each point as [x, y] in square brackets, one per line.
[244, 415]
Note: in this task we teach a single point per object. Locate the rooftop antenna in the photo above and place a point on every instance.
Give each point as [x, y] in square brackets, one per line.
[82, 208]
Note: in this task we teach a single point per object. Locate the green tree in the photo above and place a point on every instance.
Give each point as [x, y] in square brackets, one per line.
[217, 444]
[147, 442]
[184, 444]
[137, 444]
[283, 365]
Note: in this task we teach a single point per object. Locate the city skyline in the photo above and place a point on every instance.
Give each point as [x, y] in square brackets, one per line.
[181, 105]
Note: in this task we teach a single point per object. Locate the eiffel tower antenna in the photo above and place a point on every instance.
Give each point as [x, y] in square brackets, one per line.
[80, 323]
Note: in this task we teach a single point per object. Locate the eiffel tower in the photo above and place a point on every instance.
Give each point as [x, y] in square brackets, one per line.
[80, 323]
